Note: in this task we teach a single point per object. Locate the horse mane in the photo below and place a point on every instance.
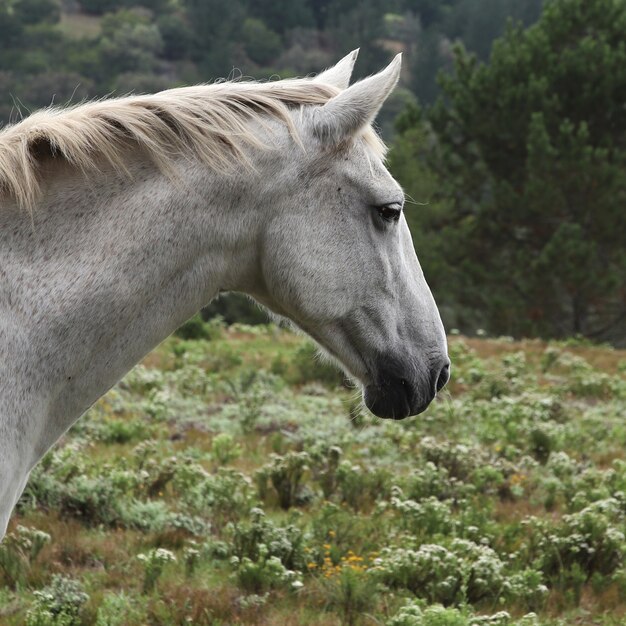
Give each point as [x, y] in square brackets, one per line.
[212, 122]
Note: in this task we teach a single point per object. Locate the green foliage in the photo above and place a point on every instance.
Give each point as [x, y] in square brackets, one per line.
[224, 496]
[36, 11]
[285, 474]
[351, 592]
[528, 168]
[261, 539]
[586, 542]
[462, 571]
[235, 307]
[503, 498]
[310, 366]
[58, 604]
[99, 7]
[177, 36]
[413, 614]
[197, 328]
[18, 551]
[225, 449]
[262, 44]
[154, 563]
[119, 609]
[130, 43]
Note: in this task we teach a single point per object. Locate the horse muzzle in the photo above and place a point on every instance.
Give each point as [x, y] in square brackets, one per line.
[396, 396]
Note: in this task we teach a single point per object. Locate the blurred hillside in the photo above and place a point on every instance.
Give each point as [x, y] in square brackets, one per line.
[508, 129]
[68, 50]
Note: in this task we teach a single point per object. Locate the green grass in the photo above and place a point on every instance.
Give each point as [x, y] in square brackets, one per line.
[507, 495]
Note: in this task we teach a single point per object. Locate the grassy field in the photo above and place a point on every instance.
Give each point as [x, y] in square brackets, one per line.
[234, 480]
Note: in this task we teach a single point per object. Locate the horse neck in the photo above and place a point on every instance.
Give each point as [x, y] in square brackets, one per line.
[104, 271]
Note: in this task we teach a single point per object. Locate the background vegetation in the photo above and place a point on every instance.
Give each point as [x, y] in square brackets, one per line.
[517, 157]
[234, 480]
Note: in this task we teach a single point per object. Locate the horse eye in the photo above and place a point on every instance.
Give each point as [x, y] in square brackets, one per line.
[390, 212]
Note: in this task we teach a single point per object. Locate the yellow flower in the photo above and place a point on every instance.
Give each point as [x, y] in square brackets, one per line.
[332, 533]
[517, 479]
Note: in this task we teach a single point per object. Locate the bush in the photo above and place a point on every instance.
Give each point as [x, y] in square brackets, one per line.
[309, 367]
[588, 542]
[223, 497]
[154, 563]
[266, 573]
[462, 572]
[286, 543]
[119, 609]
[262, 44]
[414, 614]
[285, 474]
[18, 551]
[92, 500]
[224, 449]
[197, 328]
[349, 589]
[58, 604]
[235, 308]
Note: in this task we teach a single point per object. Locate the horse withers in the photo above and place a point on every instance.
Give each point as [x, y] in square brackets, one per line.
[121, 218]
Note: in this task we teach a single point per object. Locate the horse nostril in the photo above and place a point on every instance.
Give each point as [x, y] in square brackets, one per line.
[444, 377]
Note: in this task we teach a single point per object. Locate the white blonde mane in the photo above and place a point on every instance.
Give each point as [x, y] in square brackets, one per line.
[210, 122]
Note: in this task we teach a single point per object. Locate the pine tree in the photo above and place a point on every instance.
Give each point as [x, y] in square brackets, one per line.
[531, 157]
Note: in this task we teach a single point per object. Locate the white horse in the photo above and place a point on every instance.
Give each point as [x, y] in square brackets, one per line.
[119, 219]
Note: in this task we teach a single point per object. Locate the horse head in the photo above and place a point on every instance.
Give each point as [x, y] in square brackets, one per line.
[338, 258]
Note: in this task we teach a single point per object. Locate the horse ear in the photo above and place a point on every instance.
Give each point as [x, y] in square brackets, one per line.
[339, 75]
[345, 114]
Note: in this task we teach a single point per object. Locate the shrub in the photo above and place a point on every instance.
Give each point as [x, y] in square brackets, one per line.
[414, 614]
[251, 394]
[262, 44]
[18, 551]
[463, 571]
[584, 543]
[266, 573]
[432, 572]
[224, 449]
[360, 487]
[146, 516]
[154, 563]
[92, 500]
[119, 609]
[427, 517]
[197, 328]
[58, 604]
[309, 366]
[283, 542]
[459, 460]
[285, 474]
[120, 430]
[350, 589]
[224, 496]
[324, 469]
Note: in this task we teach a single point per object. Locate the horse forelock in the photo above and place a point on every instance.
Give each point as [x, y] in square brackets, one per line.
[210, 122]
